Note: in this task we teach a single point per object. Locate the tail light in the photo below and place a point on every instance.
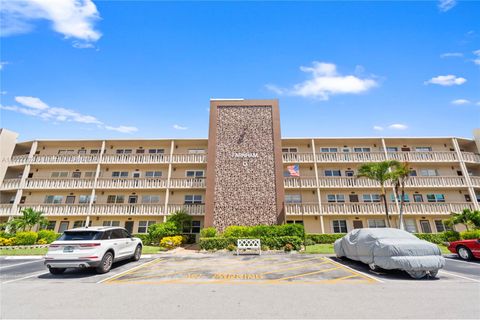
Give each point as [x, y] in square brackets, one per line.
[87, 245]
[54, 246]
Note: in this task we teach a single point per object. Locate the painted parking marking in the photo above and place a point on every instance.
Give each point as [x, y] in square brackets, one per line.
[458, 276]
[307, 274]
[359, 273]
[27, 277]
[130, 270]
[18, 264]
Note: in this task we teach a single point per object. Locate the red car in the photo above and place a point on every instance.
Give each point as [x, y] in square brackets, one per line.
[466, 249]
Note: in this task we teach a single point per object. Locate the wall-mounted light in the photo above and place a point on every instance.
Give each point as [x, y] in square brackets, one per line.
[356, 218]
[103, 192]
[313, 192]
[171, 192]
[174, 169]
[423, 217]
[36, 170]
[129, 219]
[316, 218]
[98, 218]
[311, 168]
[375, 145]
[106, 169]
[65, 218]
[111, 147]
[308, 145]
[176, 147]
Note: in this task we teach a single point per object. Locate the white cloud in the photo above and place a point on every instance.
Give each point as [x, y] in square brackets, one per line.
[445, 5]
[72, 18]
[122, 129]
[33, 106]
[448, 80]
[398, 126]
[82, 45]
[178, 127]
[325, 81]
[477, 60]
[451, 55]
[377, 128]
[460, 101]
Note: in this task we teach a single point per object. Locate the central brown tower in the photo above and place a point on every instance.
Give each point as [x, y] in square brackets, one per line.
[244, 167]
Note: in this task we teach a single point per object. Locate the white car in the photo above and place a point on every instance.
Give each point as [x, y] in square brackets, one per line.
[92, 247]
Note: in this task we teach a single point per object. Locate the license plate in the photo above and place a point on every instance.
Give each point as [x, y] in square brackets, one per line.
[68, 249]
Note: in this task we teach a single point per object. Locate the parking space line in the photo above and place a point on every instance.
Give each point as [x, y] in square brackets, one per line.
[18, 264]
[130, 270]
[27, 277]
[343, 278]
[306, 274]
[359, 273]
[457, 260]
[293, 268]
[459, 276]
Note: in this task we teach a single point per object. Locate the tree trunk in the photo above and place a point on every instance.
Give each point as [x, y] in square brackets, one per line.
[400, 213]
[384, 196]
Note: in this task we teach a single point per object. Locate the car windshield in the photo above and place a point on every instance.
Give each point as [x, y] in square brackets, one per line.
[80, 235]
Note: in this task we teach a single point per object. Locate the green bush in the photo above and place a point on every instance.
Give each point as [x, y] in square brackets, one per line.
[451, 235]
[210, 232]
[48, 235]
[276, 243]
[283, 230]
[216, 243]
[26, 238]
[326, 238]
[5, 235]
[231, 247]
[171, 242]
[160, 230]
[437, 238]
[144, 237]
[472, 234]
[190, 238]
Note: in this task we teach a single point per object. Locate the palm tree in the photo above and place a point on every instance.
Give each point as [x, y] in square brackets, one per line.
[28, 220]
[401, 174]
[381, 173]
[465, 217]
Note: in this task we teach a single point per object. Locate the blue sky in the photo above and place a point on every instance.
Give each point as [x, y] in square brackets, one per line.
[120, 69]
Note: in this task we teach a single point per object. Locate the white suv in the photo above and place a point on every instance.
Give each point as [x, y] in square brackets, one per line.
[97, 247]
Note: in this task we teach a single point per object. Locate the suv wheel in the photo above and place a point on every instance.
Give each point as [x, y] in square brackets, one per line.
[56, 270]
[464, 253]
[137, 254]
[106, 263]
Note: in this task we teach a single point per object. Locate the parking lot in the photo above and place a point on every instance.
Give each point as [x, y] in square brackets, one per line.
[226, 286]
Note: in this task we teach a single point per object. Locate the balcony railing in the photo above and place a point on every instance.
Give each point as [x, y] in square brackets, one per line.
[189, 158]
[309, 182]
[350, 156]
[131, 183]
[428, 156]
[135, 158]
[5, 209]
[475, 181]
[374, 208]
[192, 209]
[57, 209]
[471, 157]
[10, 184]
[297, 157]
[187, 183]
[54, 183]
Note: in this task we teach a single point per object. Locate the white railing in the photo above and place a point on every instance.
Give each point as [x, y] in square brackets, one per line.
[21, 159]
[67, 158]
[352, 208]
[475, 181]
[6, 209]
[428, 156]
[192, 209]
[302, 208]
[436, 208]
[54, 183]
[300, 182]
[297, 157]
[346, 182]
[350, 156]
[189, 158]
[58, 209]
[471, 157]
[131, 183]
[193, 183]
[10, 184]
[135, 158]
[128, 209]
[453, 181]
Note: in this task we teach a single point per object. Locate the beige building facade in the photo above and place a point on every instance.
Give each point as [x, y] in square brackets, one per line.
[135, 183]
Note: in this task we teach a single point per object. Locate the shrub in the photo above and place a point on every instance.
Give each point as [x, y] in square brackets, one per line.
[437, 238]
[7, 241]
[3, 234]
[276, 243]
[160, 230]
[265, 248]
[171, 242]
[288, 247]
[208, 232]
[231, 247]
[309, 242]
[48, 235]
[295, 230]
[326, 238]
[216, 243]
[451, 235]
[180, 218]
[144, 237]
[473, 234]
[25, 238]
[190, 238]
[42, 241]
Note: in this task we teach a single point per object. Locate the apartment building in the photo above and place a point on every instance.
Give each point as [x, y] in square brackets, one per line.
[244, 173]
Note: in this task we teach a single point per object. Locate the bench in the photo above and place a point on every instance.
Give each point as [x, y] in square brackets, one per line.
[249, 244]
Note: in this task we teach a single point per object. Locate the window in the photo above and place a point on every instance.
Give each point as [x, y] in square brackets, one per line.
[12, 199]
[335, 198]
[371, 198]
[468, 198]
[62, 174]
[328, 149]
[153, 174]
[115, 199]
[376, 223]
[361, 149]
[140, 151]
[410, 225]
[196, 151]
[417, 198]
[62, 151]
[111, 223]
[392, 149]
[428, 172]
[82, 151]
[94, 151]
[290, 149]
[76, 174]
[413, 173]
[194, 173]
[425, 225]
[191, 227]
[117, 234]
[339, 226]
[423, 149]
[435, 197]
[295, 222]
[70, 199]
[333, 173]
[349, 173]
[143, 226]
[84, 199]
[119, 174]
[193, 199]
[152, 151]
[405, 197]
[293, 198]
[51, 225]
[80, 223]
[439, 226]
[63, 226]
[124, 151]
[53, 199]
[89, 174]
[150, 199]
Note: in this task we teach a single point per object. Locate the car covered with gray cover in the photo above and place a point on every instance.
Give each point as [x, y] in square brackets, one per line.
[389, 249]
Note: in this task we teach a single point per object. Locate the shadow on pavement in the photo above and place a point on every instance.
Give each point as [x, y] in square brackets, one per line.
[76, 273]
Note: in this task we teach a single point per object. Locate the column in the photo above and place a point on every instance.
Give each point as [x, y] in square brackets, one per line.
[93, 193]
[169, 176]
[471, 190]
[319, 198]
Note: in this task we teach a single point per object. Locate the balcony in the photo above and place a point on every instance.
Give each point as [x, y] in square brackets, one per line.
[131, 183]
[375, 208]
[187, 183]
[471, 157]
[10, 184]
[135, 158]
[54, 183]
[309, 182]
[57, 209]
[140, 209]
[431, 156]
[298, 157]
[475, 181]
[360, 157]
[189, 158]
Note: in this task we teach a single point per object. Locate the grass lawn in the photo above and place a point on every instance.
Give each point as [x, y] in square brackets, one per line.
[328, 249]
[23, 252]
[152, 249]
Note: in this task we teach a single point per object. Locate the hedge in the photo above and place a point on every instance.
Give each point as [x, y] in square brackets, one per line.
[264, 231]
[48, 236]
[25, 238]
[472, 234]
[276, 243]
[324, 238]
